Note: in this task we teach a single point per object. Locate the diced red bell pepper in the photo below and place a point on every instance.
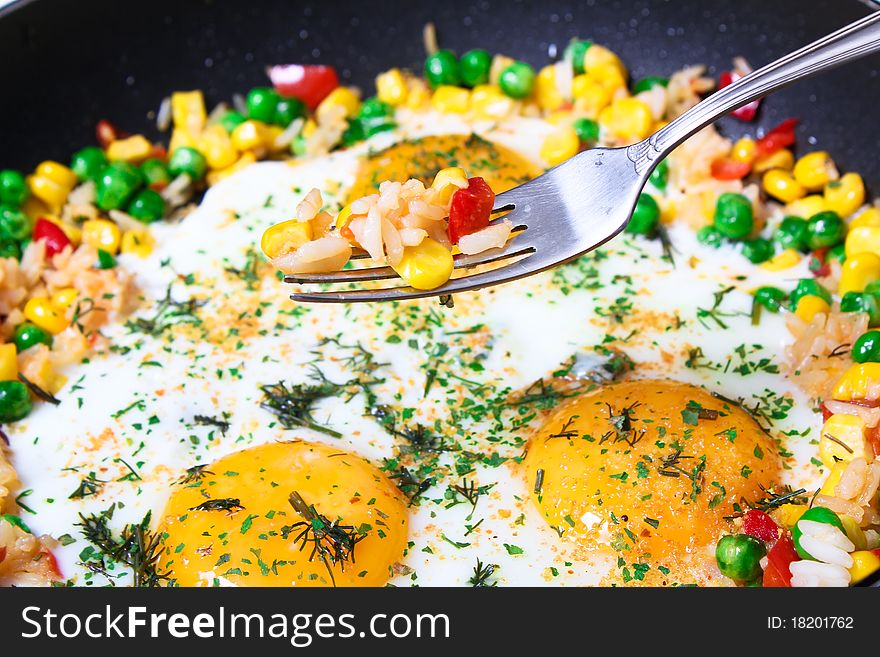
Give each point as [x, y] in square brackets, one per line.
[310, 83]
[53, 237]
[746, 112]
[758, 524]
[53, 563]
[470, 209]
[2, 553]
[107, 133]
[819, 264]
[779, 558]
[725, 168]
[782, 136]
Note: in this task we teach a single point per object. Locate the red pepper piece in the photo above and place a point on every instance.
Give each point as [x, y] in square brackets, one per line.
[819, 264]
[725, 168]
[758, 524]
[779, 558]
[310, 83]
[746, 112]
[53, 237]
[53, 563]
[107, 133]
[782, 136]
[470, 209]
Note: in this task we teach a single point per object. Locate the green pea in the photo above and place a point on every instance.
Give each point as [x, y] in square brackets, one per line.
[837, 253]
[739, 557]
[733, 216]
[117, 183]
[298, 145]
[15, 520]
[816, 514]
[156, 174]
[15, 401]
[353, 133]
[261, 104]
[189, 161]
[575, 53]
[660, 175]
[867, 348]
[373, 107]
[473, 67]
[147, 206]
[287, 110]
[442, 68]
[232, 119]
[27, 335]
[710, 236]
[517, 80]
[587, 131]
[792, 234]
[758, 250]
[88, 163]
[808, 287]
[10, 249]
[105, 260]
[15, 225]
[13, 188]
[770, 297]
[873, 288]
[645, 216]
[861, 302]
[648, 83]
[825, 229]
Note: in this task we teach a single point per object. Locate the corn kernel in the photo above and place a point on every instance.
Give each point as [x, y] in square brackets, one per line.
[391, 87]
[781, 261]
[860, 381]
[343, 218]
[448, 181]
[488, 102]
[270, 137]
[859, 270]
[862, 239]
[344, 97]
[217, 175]
[34, 208]
[781, 185]
[74, 234]
[57, 173]
[806, 206]
[609, 76]
[853, 531]
[598, 56]
[865, 563]
[8, 362]
[64, 298]
[829, 487]
[744, 150]
[249, 135]
[809, 306]
[546, 90]
[870, 217]
[138, 242]
[781, 159]
[181, 138]
[48, 191]
[40, 311]
[188, 111]
[101, 234]
[560, 145]
[216, 145]
[132, 149]
[590, 97]
[627, 118]
[846, 195]
[419, 94]
[788, 514]
[285, 237]
[847, 429]
[309, 128]
[815, 170]
[425, 266]
[451, 99]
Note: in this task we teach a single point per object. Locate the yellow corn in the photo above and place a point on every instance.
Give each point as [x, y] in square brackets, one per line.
[560, 118]
[627, 118]
[270, 137]
[853, 531]
[846, 195]
[34, 208]
[101, 234]
[744, 150]
[781, 159]
[343, 218]
[419, 94]
[138, 242]
[835, 472]
[51, 183]
[609, 76]
[216, 145]
[847, 429]
[781, 185]
[597, 56]
[188, 111]
[862, 239]
[560, 145]
[788, 514]
[859, 270]
[64, 298]
[249, 135]
[57, 173]
[181, 138]
[590, 97]
[870, 217]
[8, 362]
[131, 149]
[865, 563]
[344, 97]
[783, 260]
[74, 233]
[806, 206]
[860, 381]
[451, 99]
[546, 90]
[40, 311]
[488, 102]
[448, 181]
[815, 170]
[425, 266]
[217, 175]
[809, 306]
[285, 237]
[391, 87]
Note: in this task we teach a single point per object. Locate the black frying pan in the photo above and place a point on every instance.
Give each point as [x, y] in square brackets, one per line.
[68, 63]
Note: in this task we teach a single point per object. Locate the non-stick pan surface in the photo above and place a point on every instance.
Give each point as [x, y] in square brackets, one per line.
[68, 63]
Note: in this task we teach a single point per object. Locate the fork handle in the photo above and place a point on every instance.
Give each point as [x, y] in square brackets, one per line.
[848, 43]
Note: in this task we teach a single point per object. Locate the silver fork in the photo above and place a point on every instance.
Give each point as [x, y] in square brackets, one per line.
[585, 201]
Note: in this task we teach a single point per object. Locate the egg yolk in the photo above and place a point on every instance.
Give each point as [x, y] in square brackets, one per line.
[234, 521]
[498, 165]
[647, 468]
